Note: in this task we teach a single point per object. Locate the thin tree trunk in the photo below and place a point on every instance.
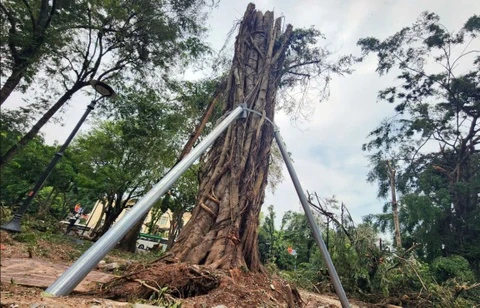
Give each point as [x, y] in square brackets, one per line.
[176, 225]
[396, 221]
[111, 215]
[199, 128]
[24, 58]
[10, 154]
[12, 81]
[222, 232]
[45, 206]
[129, 241]
[172, 230]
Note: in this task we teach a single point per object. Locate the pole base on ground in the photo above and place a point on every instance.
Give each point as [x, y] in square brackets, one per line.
[46, 294]
[13, 225]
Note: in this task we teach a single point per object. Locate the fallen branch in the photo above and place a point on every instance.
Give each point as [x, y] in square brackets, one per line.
[416, 273]
[459, 290]
[143, 283]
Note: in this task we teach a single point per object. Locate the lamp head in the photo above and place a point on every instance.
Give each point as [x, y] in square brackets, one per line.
[102, 88]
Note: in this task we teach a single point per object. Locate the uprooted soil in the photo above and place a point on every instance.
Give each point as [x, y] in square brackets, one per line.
[202, 287]
[165, 283]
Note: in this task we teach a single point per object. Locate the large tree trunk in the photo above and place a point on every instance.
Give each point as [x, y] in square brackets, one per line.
[222, 232]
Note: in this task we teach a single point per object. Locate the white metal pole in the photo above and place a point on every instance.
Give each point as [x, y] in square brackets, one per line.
[315, 230]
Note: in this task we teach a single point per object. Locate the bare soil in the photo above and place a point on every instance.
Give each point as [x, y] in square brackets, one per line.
[191, 285]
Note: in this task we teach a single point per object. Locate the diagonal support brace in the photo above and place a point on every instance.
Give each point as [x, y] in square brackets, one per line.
[311, 221]
[75, 273]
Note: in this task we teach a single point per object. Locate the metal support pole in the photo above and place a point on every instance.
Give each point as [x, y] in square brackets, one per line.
[75, 273]
[14, 224]
[315, 230]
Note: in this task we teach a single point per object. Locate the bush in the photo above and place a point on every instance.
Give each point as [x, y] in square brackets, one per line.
[5, 214]
[306, 276]
[445, 268]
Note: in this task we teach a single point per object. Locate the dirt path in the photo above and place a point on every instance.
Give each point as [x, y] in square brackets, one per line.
[39, 273]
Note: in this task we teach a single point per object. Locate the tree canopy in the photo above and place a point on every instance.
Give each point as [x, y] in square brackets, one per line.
[434, 138]
[115, 39]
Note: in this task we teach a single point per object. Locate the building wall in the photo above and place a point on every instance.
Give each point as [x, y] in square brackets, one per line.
[163, 223]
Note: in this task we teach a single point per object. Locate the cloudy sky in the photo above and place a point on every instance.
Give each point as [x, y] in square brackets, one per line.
[327, 148]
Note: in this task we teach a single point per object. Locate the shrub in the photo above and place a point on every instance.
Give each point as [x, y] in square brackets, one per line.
[445, 268]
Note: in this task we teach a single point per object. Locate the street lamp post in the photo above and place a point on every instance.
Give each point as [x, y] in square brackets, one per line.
[14, 224]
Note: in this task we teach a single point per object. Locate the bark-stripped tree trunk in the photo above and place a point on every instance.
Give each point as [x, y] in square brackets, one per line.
[396, 220]
[222, 232]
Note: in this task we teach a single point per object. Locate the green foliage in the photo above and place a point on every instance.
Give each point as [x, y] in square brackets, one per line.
[13, 123]
[297, 233]
[452, 267]
[116, 40]
[122, 158]
[433, 139]
[26, 237]
[21, 174]
[31, 31]
[306, 276]
[366, 267]
[268, 237]
[180, 200]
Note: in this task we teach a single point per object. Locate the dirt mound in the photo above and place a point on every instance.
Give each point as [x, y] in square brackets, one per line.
[199, 286]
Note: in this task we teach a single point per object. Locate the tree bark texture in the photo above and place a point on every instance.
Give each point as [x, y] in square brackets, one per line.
[222, 232]
[12, 82]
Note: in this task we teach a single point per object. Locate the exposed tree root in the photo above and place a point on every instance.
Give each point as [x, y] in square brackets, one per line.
[190, 283]
[182, 281]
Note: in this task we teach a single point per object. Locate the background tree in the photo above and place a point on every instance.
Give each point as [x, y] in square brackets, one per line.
[297, 232]
[182, 201]
[438, 106]
[30, 31]
[158, 209]
[125, 155]
[268, 237]
[113, 39]
[384, 173]
[22, 174]
[61, 190]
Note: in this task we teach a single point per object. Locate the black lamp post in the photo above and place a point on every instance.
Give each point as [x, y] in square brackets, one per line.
[14, 224]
